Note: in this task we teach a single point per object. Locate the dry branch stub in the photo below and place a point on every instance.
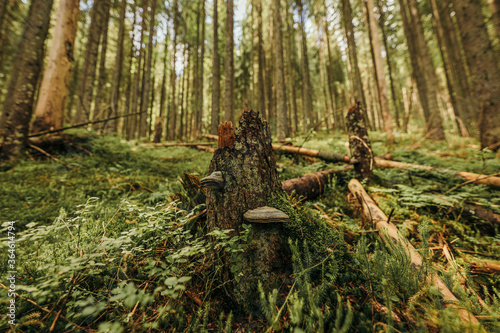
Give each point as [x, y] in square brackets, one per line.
[359, 142]
[389, 233]
[246, 162]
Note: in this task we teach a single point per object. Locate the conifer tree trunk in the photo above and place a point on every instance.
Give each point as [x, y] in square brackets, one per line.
[395, 99]
[495, 16]
[261, 104]
[307, 106]
[423, 68]
[143, 130]
[173, 110]
[329, 72]
[49, 111]
[18, 105]
[379, 69]
[281, 112]
[101, 78]
[291, 51]
[484, 69]
[117, 71]
[182, 122]
[270, 98]
[353, 57]
[86, 88]
[199, 75]
[214, 122]
[137, 80]
[229, 65]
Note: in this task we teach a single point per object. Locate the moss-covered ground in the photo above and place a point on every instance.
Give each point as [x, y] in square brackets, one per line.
[107, 241]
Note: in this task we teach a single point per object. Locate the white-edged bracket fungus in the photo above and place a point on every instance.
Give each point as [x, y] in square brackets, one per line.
[215, 180]
[265, 214]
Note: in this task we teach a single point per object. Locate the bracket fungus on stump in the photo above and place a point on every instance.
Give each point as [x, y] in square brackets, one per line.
[243, 177]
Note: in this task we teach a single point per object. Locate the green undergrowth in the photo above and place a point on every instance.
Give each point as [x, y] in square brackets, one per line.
[104, 238]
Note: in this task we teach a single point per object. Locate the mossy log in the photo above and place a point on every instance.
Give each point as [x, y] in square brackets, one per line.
[246, 162]
[389, 233]
[359, 143]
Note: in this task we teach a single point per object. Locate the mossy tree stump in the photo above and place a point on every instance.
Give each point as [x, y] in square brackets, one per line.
[246, 163]
[359, 143]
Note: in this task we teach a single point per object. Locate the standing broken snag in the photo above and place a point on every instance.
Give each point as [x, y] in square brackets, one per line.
[359, 142]
[265, 214]
[226, 135]
[215, 180]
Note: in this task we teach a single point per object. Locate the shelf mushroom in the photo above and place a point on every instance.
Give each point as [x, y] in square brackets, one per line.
[215, 180]
[265, 214]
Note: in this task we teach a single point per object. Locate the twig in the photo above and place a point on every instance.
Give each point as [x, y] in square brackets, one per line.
[472, 181]
[48, 155]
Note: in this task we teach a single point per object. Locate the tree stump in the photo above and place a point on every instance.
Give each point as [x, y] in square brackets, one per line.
[359, 143]
[244, 177]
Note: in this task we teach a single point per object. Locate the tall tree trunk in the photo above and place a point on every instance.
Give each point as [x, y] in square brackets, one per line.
[182, 79]
[137, 80]
[379, 69]
[271, 100]
[291, 51]
[173, 110]
[99, 107]
[229, 65]
[127, 121]
[281, 113]
[451, 75]
[18, 105]
[214, 122]
[86, 89]
[143, 129]
[395, 98]
[261, 105]
[484, 69]
[49, 111]
[117, 72]
[495, 16]
[329, 71]
[199, 75]
[307, 106]
[423, 68]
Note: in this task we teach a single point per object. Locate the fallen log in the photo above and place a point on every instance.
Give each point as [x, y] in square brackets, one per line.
[311, 185]
[490, 180]
[389, 233]
[204, 148]
[177, 144]
[324, 155]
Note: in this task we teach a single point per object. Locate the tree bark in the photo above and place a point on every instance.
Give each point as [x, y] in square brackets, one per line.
[281, 112]
[484, 69]
[143, 129]
[117, 72]
[261, 104]
[495, 16]
[129, 88]
[378, 65]
[215, 75]
[229, 65]
[307, 106]
[86, 88]
[359, 143]
[49, 111]
[199, 75]
[101, 78]
[18, 105]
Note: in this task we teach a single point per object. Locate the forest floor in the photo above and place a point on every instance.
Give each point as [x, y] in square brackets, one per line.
[108, 240]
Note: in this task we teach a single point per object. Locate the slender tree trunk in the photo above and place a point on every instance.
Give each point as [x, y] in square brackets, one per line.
[127, 121]
[271, 100]
[281, 113]
[182, 79]
[229, 65]
[291, 70]
[495, 16]
[484, 69]
[261, 105]
[329, 71]
[423, 68]
[395, 99]
[214, 122]
[117, 72]
[86, 89]
[18, 105]
[379, 69]
[143, 129]
[101, 78]
[173, 110]
[199, 105]
[307, 106]
[137, 80]
[49, 111]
